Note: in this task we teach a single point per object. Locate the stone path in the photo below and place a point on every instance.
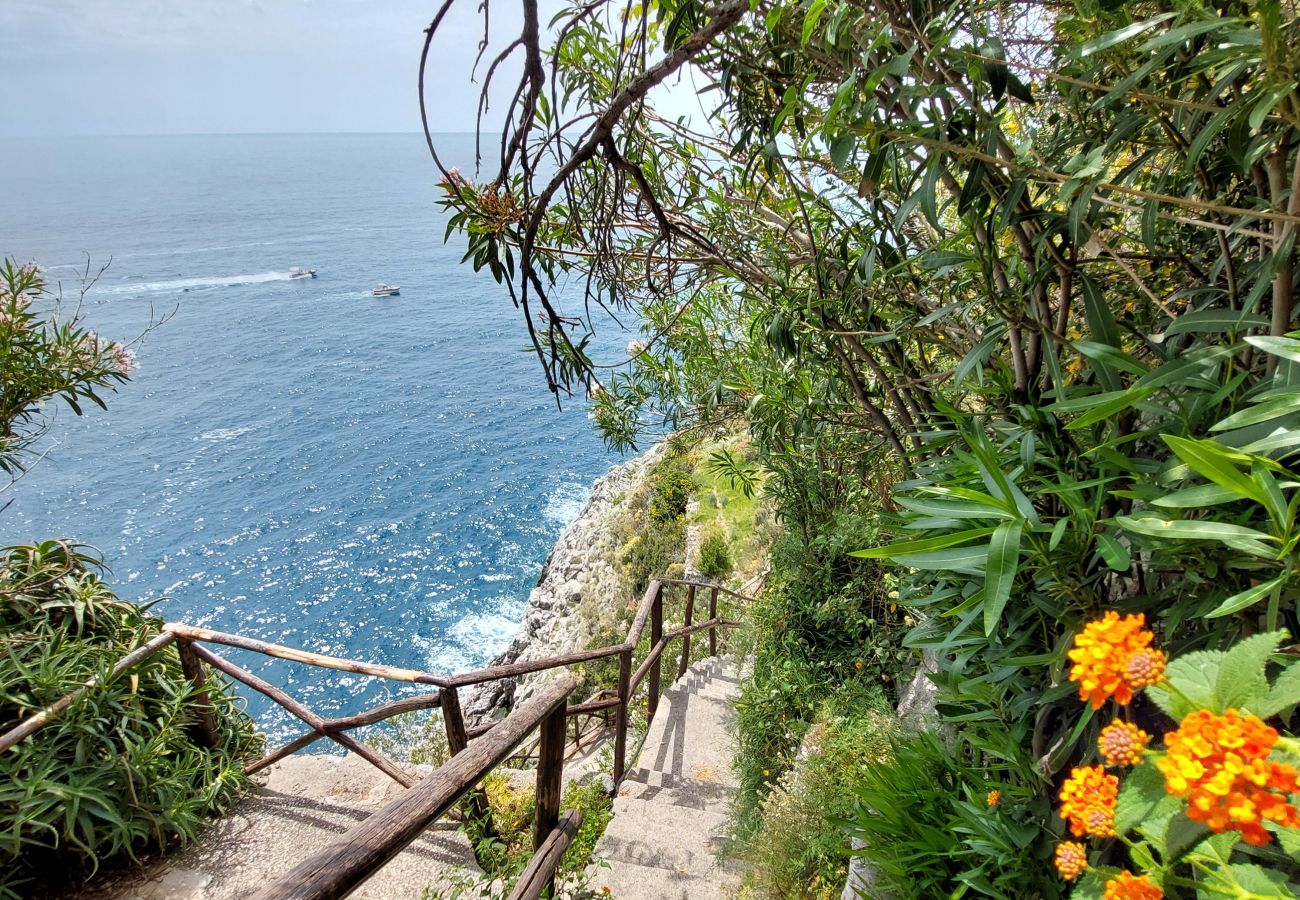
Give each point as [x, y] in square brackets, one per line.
[671, 814]
[300, 805]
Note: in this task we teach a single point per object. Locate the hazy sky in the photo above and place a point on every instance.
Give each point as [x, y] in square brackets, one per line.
[182, 66]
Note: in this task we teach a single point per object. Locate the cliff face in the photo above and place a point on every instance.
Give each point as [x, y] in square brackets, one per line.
[580, 590]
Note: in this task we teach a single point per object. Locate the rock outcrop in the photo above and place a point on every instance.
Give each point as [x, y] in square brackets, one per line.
[580, 591]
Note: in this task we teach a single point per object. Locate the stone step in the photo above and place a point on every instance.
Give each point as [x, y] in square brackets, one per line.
[671, 816]
[628, 881]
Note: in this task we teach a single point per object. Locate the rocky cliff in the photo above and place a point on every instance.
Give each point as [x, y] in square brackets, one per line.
[580, 591]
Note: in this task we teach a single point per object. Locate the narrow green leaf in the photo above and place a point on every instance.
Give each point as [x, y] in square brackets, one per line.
[1000, 572]
[1260, 412]
[1113, 553]
[1119, 36]
[1196, 497]
[1248, 597]
[1283, 347]
[1216, 463]
[924, 545]
[1191, 530]
[956, 559]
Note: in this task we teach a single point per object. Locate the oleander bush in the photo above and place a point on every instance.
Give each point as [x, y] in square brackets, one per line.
[120, 773]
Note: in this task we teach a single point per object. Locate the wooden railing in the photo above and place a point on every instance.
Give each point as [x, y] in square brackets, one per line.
[383, 835]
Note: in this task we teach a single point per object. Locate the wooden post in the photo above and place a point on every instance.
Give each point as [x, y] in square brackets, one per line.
[457, 741]
[336, 870]
[656, 635]
[713, 629]
[620, 724]
[550, 780]
[686, 638]
[206, 733]
[540, 871]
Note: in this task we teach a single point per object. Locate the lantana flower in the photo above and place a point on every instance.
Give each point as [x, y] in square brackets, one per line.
[1219, 764]
[1071, 859]
[1121, 744]
[1112, 657]
[1088, 800]
[1127, 886]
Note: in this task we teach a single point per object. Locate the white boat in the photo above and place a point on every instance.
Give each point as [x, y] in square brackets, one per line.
[386, 290]
[296, 272]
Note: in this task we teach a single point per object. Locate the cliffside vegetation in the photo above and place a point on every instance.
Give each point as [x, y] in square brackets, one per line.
[1003, 294]
[120, 773]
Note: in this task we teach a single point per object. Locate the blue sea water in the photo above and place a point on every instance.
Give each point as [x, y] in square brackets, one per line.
[295, 460]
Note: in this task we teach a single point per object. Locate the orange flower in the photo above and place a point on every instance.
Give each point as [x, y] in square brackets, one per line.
[1127, 886]
[1088, 800]
[1121, 744]
[994, 797]
[1112, 656]
[1071, 859]
[1219, 764]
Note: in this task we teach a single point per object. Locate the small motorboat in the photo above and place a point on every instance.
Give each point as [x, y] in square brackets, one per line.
[296, 272]
[386, 290]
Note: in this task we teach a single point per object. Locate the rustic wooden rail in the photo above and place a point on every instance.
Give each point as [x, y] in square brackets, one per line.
[341, 867]
[385, 834]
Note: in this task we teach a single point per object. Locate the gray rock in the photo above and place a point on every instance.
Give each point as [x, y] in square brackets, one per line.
[579, 591]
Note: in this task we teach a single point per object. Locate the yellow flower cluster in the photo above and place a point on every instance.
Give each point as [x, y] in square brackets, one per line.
[1112, 657]
[1071, 859]
[1127, 886]
[1088, 800]
[1219, 764]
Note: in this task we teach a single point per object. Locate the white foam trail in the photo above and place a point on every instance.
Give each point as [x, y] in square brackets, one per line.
[188, 284]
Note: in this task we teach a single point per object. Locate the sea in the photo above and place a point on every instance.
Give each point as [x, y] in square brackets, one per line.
[295, 460]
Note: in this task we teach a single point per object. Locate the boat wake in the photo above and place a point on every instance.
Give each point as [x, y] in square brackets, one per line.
[182, 285]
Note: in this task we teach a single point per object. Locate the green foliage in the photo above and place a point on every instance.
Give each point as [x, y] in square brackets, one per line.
[504, 856]
[801, 849]
[1025, 285]
[45, 357]
[119, 772]
[928, 827]
[822, 620]
[715, 556]
[658, 535]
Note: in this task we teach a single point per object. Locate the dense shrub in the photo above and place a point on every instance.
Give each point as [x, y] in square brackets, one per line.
[119, 772]
[929, 825]
[823, 619]
[658, 534]
[715, 556]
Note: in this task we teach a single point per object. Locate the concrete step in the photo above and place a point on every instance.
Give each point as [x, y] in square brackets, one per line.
[628, 881]
[671, 815]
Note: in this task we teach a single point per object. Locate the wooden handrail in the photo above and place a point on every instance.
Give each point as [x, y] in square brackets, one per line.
[279, 651]
[712, 587]
[316, 722]
[189, 638]
[340, 868]
[540, 871]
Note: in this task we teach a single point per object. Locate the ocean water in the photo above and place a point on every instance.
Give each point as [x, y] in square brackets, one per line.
[295, 460]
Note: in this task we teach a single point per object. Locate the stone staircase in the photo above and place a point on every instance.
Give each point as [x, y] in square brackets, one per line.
[671, 813]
